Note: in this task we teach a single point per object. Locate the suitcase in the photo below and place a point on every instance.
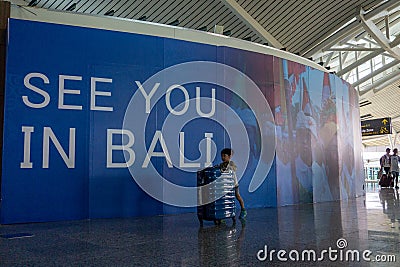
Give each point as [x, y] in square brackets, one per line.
[386, 181]
[221, 187]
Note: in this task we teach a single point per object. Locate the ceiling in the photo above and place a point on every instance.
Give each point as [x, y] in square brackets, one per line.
[357, 39]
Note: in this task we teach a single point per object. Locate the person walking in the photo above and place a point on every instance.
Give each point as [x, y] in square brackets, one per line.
[385, 161]
[226, 165]
[394, 166]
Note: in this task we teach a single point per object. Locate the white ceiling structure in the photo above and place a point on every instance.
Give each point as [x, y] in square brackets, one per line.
[357, 39]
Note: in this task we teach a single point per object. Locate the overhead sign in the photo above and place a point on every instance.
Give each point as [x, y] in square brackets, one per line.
[376, 127]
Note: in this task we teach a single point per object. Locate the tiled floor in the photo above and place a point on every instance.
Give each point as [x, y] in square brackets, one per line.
[367, 223]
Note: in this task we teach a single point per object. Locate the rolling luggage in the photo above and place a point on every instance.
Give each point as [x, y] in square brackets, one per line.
[386, 181]
[212, 184]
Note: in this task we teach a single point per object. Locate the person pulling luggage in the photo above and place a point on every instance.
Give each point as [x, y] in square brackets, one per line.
[227, 165]
[385, 162]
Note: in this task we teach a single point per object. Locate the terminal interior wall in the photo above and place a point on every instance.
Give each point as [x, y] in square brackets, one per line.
[53, 113]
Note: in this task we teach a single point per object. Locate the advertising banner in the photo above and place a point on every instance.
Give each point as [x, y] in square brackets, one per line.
[103, 124]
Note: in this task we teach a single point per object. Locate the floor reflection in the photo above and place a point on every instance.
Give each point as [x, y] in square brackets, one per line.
[389, 199]
[366, 223]
[383, 214]
[221, 245]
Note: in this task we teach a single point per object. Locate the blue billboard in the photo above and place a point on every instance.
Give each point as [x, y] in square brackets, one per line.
[105, 124]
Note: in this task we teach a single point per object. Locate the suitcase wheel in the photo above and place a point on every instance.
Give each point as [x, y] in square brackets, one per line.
[200, 220]
[218, 222]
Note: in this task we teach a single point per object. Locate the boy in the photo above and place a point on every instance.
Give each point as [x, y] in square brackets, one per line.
[227, 165]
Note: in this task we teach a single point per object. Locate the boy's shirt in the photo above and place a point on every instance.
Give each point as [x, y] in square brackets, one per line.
[230, 166]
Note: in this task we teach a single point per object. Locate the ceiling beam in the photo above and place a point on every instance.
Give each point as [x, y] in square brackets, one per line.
[387, 55]
[387, 27]
[392, 21]
[352, 28]
[369, 41]
[352, 49]
[328, 59]
[254, 25]
[379, 84]
[387, 12]
[392, 77]
[376, 72]
[378, 36]
[370, 56]
[360, 61]
[390, 140]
